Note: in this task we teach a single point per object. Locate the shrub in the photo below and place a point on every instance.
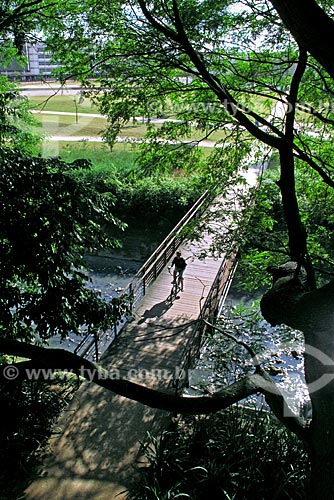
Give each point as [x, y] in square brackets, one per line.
[236, 454]
[28, 411]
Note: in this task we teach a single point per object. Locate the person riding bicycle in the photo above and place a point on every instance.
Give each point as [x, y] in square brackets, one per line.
[179, 266]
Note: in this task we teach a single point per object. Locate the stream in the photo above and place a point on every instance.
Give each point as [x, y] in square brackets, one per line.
[108, 274]
[278, 349]
[110, 271]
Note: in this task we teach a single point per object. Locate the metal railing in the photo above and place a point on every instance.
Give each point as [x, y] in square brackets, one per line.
[151, 269]
[92, 345]
[209, 311]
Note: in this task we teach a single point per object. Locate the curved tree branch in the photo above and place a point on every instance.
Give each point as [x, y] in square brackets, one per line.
[293, 95]
[60, 359]
[277, 140]
[23, 10]
[249, 349]
[269, 389]
[224, 97]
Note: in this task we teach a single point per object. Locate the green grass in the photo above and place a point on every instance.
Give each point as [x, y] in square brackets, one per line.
[66, 125]
[122, 156]
[62, 125]
[83, 126]
[63, 103]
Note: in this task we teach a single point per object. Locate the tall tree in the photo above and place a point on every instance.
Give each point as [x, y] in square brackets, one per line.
[50, 219]
[226, 83]
[143, 49]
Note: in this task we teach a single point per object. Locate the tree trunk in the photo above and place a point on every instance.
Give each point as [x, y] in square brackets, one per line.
[296, 230]
[321, 446]
[313, 314]
[318, 326]
[311, 27]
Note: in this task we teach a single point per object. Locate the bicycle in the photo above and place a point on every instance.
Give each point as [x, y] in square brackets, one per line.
[177, 286]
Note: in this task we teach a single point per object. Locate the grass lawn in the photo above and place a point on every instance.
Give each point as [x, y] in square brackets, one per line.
[123, 155]
[72, 125]
[65, 125]
[63, 103]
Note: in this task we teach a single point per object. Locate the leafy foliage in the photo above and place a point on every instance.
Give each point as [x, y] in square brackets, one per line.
[316, 200]
[50, 218]
[159, 155]
[187, 61]
[137, 194]
[236, 454]
[29, 410]
[16, 123]
[19, 22]
[265, 242]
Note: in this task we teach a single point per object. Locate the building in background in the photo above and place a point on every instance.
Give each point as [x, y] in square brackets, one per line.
[38, 66]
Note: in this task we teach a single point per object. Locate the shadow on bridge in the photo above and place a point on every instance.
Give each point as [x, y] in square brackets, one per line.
[156, 311]
[98, 443]
[97, 449]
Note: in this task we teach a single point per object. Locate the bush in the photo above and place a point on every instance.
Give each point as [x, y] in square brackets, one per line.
[237, 454]
[28, 411]
[119, 175]
[134, 194]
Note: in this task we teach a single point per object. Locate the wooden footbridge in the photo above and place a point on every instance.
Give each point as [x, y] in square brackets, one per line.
[98, 438]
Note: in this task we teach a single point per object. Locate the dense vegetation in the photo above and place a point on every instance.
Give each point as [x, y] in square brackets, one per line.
[134, 192]
[239, 454]
[29, 412]
[264, 239]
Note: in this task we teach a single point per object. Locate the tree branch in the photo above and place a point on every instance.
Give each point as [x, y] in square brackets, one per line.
[23, 10]
[269, 389]
[293, 95]
[60, 359]
[229, 103]
[249, 349]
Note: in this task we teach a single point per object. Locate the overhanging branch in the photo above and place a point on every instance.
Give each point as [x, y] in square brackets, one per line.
[230, 104]
[311, 27]
[60, 359]
[267, 387]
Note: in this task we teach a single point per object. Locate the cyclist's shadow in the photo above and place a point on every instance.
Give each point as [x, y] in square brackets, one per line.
[156, 311]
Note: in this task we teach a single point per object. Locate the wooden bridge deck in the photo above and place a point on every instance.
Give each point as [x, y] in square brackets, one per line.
[98, 437]
[158, 337]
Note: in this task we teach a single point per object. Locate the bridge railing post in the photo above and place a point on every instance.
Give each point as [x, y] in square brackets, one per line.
[131, 297]
[96, 343]
[144, 281]
[165, 255]
[155, 270]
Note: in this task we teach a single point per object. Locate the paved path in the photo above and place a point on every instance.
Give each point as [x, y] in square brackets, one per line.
[133, 140]
[92, 457]
[87, 138]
